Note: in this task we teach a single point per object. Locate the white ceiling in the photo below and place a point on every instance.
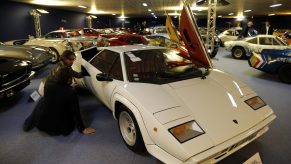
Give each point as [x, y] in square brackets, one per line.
[130, 8]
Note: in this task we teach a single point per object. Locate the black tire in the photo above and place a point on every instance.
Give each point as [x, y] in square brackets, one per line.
[55, 56]
[137, 144]
[214, 52]
[238, 52]
[284, 73]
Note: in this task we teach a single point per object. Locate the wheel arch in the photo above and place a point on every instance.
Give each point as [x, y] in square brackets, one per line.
[121, 101]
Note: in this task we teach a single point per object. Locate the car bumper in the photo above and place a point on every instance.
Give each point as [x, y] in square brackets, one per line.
[16, 87]
[41, 64]
[220, 151]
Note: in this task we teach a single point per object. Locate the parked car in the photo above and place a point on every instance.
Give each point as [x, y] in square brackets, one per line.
[37, 56]
[161, 99]
[57, 46]
[72, 35]
[242, 48]
[89, 32]
[15, 74]
[127, 39]
[273, 61]
[229, 35]
[287, 37]
[19, 43]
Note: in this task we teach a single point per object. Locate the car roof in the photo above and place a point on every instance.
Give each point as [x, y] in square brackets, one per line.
[126, 48]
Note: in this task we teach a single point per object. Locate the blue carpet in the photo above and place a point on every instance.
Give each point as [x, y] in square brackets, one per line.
[107, 147]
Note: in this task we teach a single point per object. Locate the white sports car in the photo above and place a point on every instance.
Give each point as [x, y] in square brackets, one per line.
[243, 48]
[177, 107]
[230, 34]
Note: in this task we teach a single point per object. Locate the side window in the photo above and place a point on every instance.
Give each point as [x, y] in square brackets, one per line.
[253, 41]
[229, 33]
[265, 41]
[275, 42]
[108, 62]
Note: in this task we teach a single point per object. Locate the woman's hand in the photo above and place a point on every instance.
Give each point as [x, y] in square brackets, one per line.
[74, 85]
[89, 131]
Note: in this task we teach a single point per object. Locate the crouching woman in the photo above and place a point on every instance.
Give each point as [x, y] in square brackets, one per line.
[58, 112]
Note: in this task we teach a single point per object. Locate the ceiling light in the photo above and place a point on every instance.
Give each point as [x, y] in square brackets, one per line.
[153, 13]
[219, 16]
[230, 13]
[144, 4]
[276, 5]
[199, 10]
[149, 10]
[240, 17]
[271, 14]
[113, 14]
[122, 17]
[93, 16]
[42, 11]
[50, 2]
[246, 11]
[81, 6]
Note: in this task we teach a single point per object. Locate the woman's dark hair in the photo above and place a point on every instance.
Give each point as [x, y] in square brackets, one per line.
[66, 54]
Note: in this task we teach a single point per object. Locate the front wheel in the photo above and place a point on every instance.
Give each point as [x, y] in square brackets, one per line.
[54, 55]
[238, 53]
[285, 73]
[130, 132]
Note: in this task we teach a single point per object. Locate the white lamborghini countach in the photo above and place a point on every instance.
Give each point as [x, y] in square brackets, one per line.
[176, 107]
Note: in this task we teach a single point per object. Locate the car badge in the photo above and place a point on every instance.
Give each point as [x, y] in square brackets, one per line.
[235, 121]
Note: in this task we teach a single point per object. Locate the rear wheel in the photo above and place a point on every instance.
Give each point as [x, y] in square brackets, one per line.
[285, 73]
[55, 56]
[129, 131]
[238, 52]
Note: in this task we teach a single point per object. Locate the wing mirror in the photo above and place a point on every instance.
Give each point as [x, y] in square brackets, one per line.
[103, 77]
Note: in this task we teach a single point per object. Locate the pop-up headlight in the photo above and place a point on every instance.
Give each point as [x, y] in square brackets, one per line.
[255, 102]
[186, 131]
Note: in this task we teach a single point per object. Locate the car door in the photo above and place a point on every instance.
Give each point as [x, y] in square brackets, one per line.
[107, 62]
[252, 44]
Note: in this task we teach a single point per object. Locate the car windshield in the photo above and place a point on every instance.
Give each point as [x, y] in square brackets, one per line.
[160, 66]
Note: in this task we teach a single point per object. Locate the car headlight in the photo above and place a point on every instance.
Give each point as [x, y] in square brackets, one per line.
[255, 102]
[186, 131]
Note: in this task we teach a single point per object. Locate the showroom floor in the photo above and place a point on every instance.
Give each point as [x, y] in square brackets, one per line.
[107, 147]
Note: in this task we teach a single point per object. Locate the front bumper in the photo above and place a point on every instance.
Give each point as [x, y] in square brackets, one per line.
[218, 152]
[16, 87]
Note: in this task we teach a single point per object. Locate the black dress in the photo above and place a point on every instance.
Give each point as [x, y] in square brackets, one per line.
[57, 112]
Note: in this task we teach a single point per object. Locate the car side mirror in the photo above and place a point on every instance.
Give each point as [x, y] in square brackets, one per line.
[103, 77]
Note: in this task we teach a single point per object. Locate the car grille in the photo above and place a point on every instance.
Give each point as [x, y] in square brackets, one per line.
[14, 76]
[222, 153]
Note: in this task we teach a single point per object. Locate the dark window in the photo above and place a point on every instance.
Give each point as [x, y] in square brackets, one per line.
[108, 62]
[134, 40]
[89, 53]
[275, 42]
[253, 41]
[265, 41]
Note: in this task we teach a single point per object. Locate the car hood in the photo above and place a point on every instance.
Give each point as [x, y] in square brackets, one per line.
[15, 52]
[214, 102]
[31, 51]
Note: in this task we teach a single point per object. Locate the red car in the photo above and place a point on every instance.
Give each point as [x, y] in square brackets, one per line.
[128, 39]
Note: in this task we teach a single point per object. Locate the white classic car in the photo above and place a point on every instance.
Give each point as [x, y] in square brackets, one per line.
[242, 48]
[230, 34]
[161, 99]
[57, 46]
